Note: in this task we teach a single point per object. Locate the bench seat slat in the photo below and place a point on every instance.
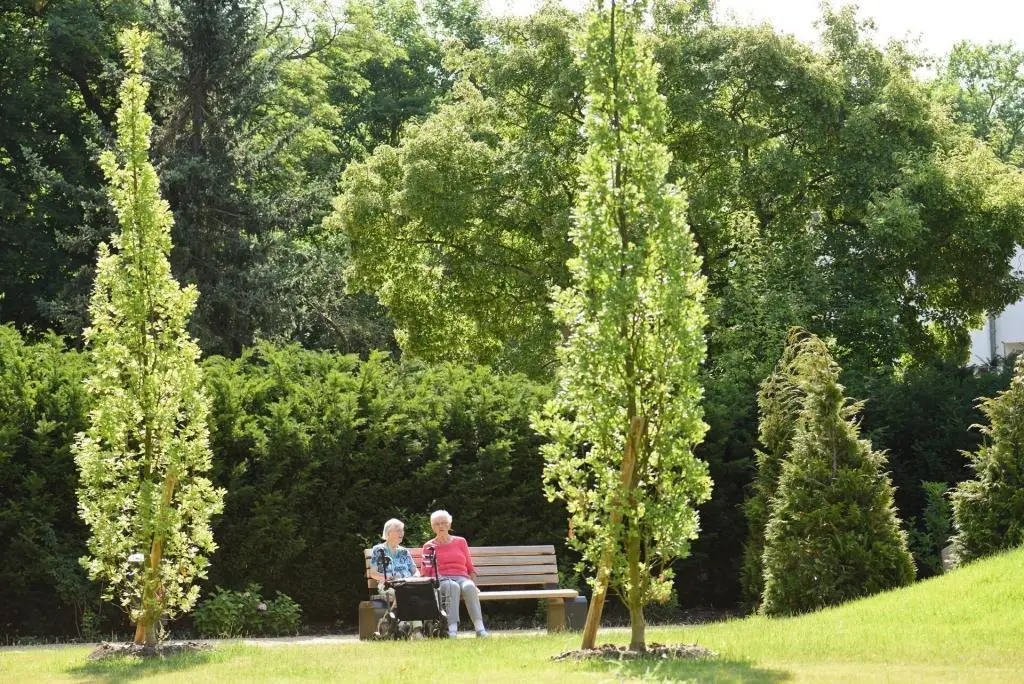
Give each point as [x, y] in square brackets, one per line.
[484, 561]
[539, 549]
[528, 594]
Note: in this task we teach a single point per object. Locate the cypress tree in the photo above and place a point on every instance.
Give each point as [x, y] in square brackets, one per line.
[778, 404]
[832, 533]
[988, 510]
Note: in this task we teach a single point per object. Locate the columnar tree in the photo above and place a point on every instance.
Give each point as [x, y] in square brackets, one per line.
[832, 533]
[627, 412]
[988, 511]
[142, 456]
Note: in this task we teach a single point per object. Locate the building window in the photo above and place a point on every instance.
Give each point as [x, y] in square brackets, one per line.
[1012, 348]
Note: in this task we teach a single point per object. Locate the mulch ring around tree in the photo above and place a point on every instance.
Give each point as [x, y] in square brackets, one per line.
[166, 648]
[653, 652]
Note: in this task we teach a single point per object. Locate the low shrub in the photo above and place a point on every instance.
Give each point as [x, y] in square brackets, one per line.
[228, 614]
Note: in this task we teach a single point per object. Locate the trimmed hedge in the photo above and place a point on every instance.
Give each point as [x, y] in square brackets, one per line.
[43, 590]
[317, 450]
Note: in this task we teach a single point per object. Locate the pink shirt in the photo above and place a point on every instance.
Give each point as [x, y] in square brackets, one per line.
[452, 558]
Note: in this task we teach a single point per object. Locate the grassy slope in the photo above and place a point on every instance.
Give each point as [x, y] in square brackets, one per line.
[966, 626]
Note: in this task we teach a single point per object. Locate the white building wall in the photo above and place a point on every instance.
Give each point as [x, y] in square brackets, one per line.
[1004, 333]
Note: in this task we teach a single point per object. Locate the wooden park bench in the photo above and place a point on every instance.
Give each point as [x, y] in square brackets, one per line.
[531, 569]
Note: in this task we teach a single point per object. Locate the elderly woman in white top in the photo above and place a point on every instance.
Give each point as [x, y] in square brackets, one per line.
[391, 556]
[400, 563]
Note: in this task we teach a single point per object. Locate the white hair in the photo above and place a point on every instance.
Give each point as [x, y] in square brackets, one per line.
[390, 525]
[441, 515]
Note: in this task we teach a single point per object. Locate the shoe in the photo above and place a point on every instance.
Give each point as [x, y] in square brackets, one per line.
[452, 633]
[417, 634]
[483, 634]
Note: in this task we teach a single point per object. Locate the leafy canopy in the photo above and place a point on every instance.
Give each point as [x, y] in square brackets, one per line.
[143, 453]
[635, 323]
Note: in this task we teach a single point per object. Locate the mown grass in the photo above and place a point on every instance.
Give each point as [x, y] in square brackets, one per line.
[967, 626]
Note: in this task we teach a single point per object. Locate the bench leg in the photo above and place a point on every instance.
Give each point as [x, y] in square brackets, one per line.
[556, 615]
[369, 614]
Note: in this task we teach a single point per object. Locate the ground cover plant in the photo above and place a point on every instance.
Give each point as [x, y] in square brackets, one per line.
[963, 627]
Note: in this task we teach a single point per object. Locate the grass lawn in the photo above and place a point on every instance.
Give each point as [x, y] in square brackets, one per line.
[964, 627]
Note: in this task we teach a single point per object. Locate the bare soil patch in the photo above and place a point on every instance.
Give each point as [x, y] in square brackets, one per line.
[653, 652]
[166, 648]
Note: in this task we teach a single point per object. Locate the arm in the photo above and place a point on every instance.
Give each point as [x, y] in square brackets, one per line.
[469, 561]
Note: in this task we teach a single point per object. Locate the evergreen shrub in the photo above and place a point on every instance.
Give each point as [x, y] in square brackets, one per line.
[832, 534]
[316, 450]
[988, 510]
[43, 403]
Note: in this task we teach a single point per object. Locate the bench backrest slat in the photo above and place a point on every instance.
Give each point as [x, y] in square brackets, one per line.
[500, 565]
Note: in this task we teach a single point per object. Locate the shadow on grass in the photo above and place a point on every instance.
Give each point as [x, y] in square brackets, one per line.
[693, 670]
[131, 669]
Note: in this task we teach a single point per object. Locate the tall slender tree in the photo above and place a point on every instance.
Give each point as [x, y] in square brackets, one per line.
[144, 452]
[210, 82]
[627, 412]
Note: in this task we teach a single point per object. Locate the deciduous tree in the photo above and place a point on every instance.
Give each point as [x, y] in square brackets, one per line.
[142, 457]
[627, 412]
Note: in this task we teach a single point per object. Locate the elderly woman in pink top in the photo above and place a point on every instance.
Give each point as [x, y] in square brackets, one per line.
[456, 571]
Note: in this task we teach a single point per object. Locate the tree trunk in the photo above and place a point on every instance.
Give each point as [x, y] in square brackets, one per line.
[604, 570]
[635, 597]
[152, 595]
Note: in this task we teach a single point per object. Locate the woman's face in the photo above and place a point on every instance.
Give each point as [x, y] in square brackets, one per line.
[441, 527]
[395, 535]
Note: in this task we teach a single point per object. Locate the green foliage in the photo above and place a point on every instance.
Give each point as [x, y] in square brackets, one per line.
[318, 449]
[635, 342]
[835, 174]
[988, 510]
[230, 614]
[985, 85]
[210, 85]
[832, 533]
[142, 455]
[57, 98]
[461, 226]
[920, 414]
[932, 535]
[779, 403]
[42, 405]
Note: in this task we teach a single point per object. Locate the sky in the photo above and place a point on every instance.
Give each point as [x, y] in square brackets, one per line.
[936, 24]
